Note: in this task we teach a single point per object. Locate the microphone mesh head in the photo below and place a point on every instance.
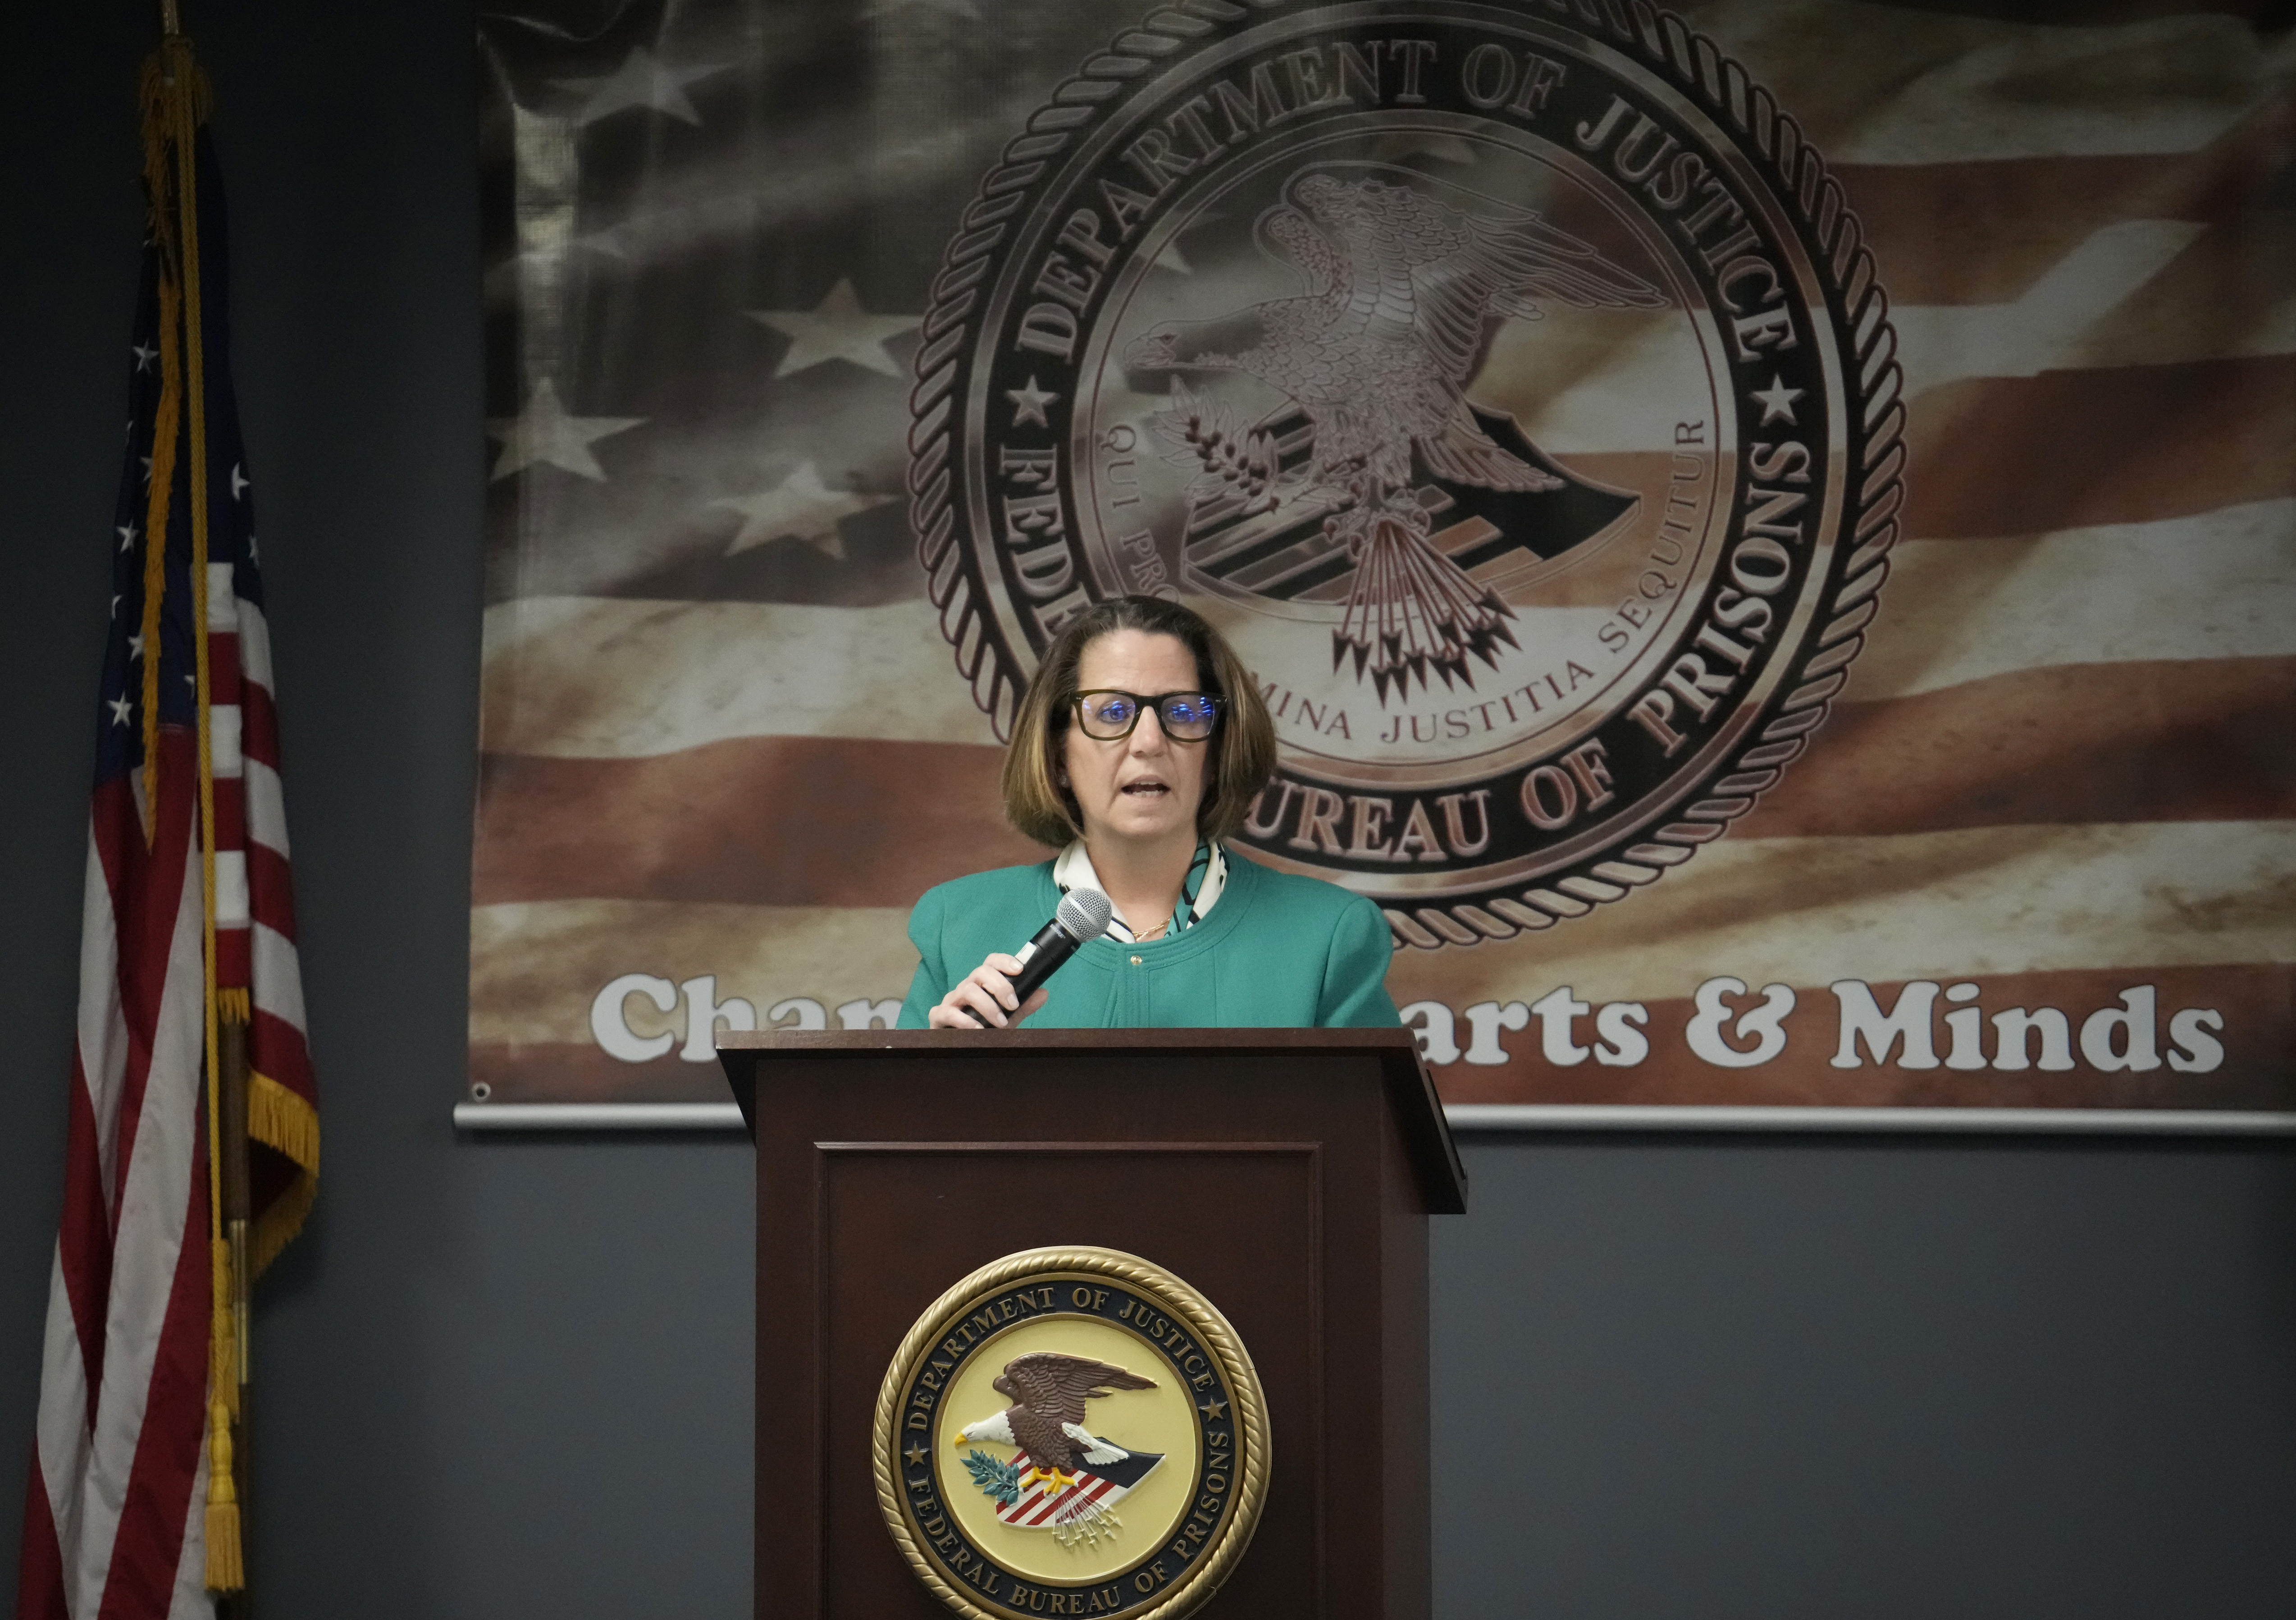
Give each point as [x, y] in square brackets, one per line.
[1084, 914]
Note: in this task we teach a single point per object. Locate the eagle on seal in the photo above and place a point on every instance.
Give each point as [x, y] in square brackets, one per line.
[1399, 290]
[1048, 1391]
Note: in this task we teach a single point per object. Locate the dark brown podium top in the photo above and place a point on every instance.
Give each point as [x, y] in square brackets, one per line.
[1418, 1112]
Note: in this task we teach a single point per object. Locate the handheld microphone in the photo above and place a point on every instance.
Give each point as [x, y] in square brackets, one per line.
[1083, 915]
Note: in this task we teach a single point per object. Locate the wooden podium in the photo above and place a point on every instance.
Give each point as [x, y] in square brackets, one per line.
[1286, 1174]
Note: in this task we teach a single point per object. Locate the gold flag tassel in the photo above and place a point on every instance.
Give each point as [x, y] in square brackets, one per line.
[286, 1124]
[225, 1570]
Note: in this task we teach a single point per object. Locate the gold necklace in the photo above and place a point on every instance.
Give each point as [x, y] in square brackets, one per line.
[1162, 929]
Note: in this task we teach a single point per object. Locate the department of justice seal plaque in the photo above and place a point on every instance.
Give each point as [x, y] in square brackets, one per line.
[1071, 1431]
[1510, 384]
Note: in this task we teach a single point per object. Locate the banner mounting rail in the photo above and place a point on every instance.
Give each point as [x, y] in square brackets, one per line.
[1542, 1118]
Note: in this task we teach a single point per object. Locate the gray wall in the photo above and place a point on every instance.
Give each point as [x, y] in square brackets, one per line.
[1702, 1378]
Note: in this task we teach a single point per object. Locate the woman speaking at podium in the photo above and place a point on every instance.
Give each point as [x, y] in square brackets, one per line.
[1138, 748]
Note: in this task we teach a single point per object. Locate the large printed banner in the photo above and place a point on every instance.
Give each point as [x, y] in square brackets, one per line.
[1769, 532]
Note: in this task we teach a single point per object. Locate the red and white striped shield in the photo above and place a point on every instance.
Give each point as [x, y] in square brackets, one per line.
[1067, 1498]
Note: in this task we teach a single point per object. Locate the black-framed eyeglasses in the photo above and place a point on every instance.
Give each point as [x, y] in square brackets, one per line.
[1109, 716]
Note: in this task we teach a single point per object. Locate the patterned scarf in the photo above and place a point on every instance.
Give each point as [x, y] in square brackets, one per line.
[1207, 877]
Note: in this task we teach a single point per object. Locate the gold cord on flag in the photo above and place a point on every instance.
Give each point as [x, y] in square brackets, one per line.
[174, 104]
[158, 94]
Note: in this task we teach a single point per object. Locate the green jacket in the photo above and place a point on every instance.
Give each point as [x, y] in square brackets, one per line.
[1275, 951]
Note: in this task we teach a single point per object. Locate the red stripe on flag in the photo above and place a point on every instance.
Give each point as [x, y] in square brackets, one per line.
[2063, 745]
[271, 890]
[259, 724]
[229, 813]
[235, 958]
[276, 1049]
[800, 821]
[84, 1235]
[148, 1546]
[222, 666]
[1989, 454]
[1917, 215]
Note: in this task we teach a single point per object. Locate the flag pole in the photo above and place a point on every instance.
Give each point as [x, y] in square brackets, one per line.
[176, 92]
[232, 1027]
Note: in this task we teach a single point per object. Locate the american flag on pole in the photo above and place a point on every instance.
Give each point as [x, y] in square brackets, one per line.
[191, 1042]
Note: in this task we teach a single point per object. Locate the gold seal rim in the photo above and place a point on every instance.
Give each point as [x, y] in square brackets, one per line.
[1205, 1575]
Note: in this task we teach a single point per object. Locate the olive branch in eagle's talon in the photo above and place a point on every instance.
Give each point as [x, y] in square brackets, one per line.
[1232, 459]
[1000, 1481]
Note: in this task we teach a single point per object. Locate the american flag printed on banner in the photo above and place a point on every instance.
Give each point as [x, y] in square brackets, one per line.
[725, 746]
[116, 1511]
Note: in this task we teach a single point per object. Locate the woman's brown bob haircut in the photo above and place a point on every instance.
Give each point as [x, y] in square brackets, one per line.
[1242, 744]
